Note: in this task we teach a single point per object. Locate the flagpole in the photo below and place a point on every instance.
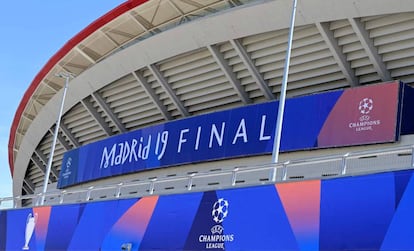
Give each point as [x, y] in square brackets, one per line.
[66, 76]
[282, 99]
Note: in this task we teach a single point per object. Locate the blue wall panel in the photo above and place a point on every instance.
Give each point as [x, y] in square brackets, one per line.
[369, 212]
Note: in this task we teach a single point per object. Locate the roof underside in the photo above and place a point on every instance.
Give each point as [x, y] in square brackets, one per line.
[238, 69]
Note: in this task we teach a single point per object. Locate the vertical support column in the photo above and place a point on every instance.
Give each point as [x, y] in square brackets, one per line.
[152, 186]
[234, 176]
[118, 190]
[412, 156]
[88, 194]
[190, 181]
[344, 163]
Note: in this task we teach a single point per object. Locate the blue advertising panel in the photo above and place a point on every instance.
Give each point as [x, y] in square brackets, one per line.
[345, 117]
[368, 212]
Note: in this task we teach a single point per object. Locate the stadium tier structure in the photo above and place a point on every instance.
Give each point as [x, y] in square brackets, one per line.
[147, 68]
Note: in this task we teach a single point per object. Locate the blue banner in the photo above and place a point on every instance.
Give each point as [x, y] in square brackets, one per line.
[309, 123]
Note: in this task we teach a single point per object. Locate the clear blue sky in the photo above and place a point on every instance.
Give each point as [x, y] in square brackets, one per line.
[31, 32]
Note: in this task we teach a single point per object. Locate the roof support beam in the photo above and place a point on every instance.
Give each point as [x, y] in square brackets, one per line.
[52, 85]
[199, 5]
[41, 162]
[146, 25]
[170, 92]
[27, 189]
[108, 111]
[137, 22]
[28, 116]
[61, 140]
[96, 116]
[229, 74]
[235, 2]
[183, 16]
[73, 65]
[80, 51]
[113, 42]
[69, 135]
[30, 185]
[254, 72]
[370, 49]
[154, 97]
[336, 51]
[119, 33]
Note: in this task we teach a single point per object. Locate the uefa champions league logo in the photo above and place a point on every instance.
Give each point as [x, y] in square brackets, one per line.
[365, 106]
[218, 237]
[220, 210]
[365, 123]
[68, 165]
[67, 171]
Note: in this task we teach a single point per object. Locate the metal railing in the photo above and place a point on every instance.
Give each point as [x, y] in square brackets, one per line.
[352, 163]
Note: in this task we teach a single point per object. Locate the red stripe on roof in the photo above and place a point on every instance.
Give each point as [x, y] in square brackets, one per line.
[108, 17]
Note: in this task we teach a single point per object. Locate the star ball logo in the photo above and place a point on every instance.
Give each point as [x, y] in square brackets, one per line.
[365, 106]
[217, 238]
[220, 210]
[365, 123]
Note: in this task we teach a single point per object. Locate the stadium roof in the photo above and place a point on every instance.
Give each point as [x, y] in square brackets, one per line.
[147, 62]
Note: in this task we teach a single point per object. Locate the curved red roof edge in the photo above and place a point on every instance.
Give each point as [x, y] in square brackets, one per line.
[108, 17]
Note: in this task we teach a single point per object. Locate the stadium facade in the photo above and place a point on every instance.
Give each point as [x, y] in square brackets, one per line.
[171, 110]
